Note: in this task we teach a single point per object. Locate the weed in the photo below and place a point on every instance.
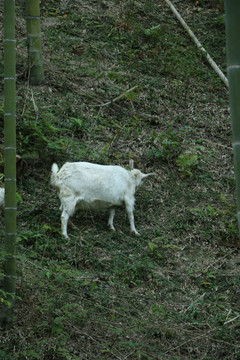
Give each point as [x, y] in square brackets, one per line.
[187, 162]
[5, 295]
[165, 146]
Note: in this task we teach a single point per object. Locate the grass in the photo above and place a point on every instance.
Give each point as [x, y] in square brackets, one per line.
[171, 293]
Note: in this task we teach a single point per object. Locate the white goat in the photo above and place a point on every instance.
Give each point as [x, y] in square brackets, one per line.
[90, 186]
[2, 198]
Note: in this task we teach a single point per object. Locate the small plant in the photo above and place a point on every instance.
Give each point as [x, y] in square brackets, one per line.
[165, 146]
[4, 296]
[187, 162]
[39, 138]
[153, 31]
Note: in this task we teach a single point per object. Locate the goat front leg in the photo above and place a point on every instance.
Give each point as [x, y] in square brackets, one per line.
[110, 220]
[129, 208]
[64, 221]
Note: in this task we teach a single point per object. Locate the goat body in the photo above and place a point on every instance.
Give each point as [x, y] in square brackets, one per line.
[2, 198]
[91, 186]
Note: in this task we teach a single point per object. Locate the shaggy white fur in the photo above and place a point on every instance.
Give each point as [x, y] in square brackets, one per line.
[91, 186]
[2, 198]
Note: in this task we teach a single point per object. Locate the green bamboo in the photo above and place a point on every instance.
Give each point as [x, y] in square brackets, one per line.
[36, 73]
[9, 283]
[232, 12]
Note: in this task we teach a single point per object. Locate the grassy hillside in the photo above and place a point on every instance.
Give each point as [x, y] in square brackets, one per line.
[124, 81]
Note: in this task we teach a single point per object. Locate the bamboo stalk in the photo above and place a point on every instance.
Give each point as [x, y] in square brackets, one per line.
[9, 283]
[117, 98]
[36, 73]
[232, 10]
[197, 42]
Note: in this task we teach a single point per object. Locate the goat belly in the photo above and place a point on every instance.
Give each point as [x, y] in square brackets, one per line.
[95, 205]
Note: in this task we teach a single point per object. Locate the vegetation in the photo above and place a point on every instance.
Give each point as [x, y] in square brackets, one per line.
[171, 293]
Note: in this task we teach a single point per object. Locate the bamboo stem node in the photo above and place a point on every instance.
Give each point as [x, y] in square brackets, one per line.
[233, 67]
[34, 36]
[11, 277]
[32, 17]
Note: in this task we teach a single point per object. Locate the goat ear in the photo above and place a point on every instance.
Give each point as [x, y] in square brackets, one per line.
[149, 174]
[131, 163]
[138, 174]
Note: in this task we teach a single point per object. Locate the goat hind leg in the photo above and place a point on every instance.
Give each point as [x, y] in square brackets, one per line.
[129, 208]
[64, 221]
[111, 217]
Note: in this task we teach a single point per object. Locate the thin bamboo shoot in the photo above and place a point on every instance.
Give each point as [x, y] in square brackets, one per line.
[197, 42]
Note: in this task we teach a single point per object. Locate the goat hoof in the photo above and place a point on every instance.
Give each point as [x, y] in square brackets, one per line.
[135, 233]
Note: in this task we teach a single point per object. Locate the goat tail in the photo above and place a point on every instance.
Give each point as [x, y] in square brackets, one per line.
[54, 177]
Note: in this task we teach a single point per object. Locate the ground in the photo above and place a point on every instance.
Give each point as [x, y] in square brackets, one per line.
[123, 81]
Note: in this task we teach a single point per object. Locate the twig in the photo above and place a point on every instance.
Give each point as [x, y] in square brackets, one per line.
[217, 144]
[117, 98]
[231, 320]
[33, 101]
[212, 264]
[195, 301]
[189, 340]
[197, 42]
[34, 105]
[129, 354]
[94, 340]
[225, 342]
